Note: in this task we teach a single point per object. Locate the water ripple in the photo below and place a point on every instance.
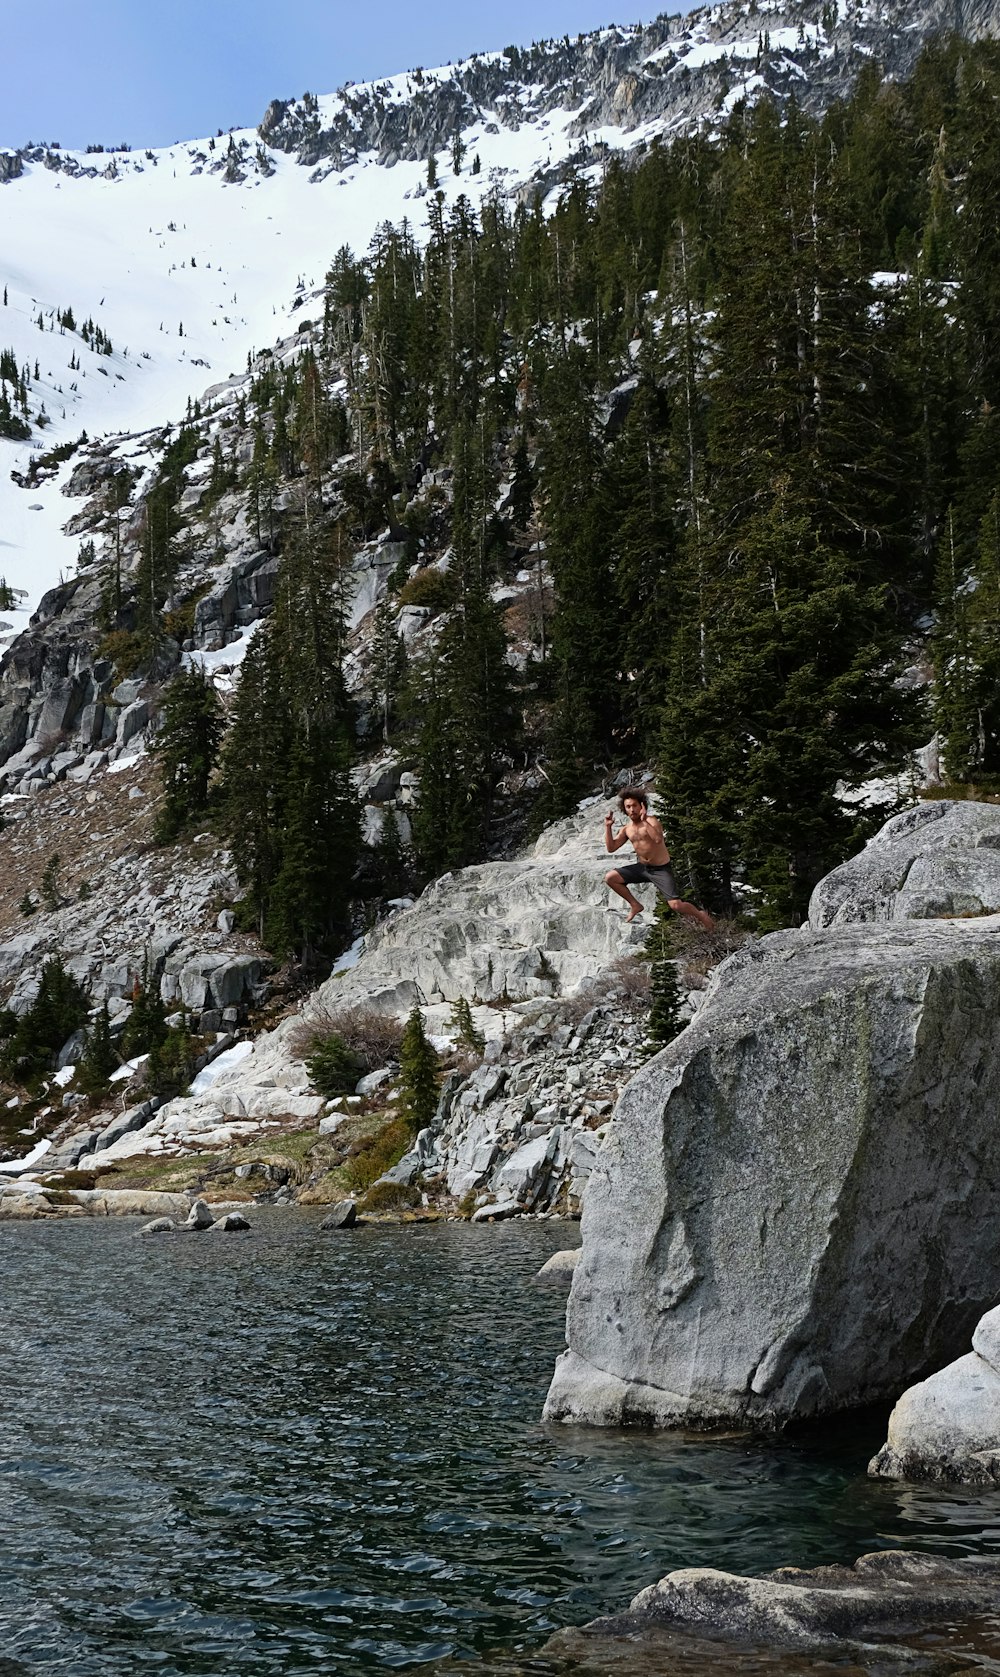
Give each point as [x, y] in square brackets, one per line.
[292, 1453]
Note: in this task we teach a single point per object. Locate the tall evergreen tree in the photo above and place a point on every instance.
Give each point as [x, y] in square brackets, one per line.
[186, 749]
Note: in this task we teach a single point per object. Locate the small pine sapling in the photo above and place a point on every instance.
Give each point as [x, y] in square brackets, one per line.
[52, 897]
[333, 1067]
[465, 1026]
[665, 1016]
[99, 1059]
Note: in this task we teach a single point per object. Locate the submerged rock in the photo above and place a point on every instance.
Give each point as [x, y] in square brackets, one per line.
[948, 1427]
[796, 1204]
[233, 1222]
[199, 1217]
[159, 1225]
[558, 1270]
[343, 1215]
[857, 1609]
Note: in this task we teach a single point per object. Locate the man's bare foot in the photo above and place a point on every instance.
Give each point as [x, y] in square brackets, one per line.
[634, 914]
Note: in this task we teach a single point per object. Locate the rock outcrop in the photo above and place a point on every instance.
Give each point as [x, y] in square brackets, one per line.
[538, 925]
[948, 1427]
[795, 1207]
[940, 859]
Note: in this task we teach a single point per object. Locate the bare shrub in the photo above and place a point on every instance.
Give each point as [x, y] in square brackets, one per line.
[630, 974]
[374, 1038]
[699, 952]
[574, 1008]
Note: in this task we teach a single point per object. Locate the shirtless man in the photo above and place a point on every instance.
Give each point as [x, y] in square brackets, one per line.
[645, 834]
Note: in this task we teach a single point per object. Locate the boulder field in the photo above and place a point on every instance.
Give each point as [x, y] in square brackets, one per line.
[796, 1204]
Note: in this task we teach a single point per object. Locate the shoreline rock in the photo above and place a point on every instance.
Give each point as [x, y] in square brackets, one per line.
[947, 1428]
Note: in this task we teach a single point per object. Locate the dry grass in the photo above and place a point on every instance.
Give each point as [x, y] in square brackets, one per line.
[373, 1158]
[86, 824]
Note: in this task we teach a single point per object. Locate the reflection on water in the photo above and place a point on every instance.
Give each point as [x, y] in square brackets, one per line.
[293, 1452]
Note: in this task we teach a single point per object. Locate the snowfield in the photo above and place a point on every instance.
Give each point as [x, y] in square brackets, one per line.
[188, 273]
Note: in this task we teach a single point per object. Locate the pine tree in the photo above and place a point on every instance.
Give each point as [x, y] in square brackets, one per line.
[186, 749]
[170, 1065]
[388, 666]
[465, 1026]
[51, 895]
[99, 1059]
[665, 1018]
[146, 1027]
[783, 666]
[289, 807]
[59, 1009]
[418, 1069]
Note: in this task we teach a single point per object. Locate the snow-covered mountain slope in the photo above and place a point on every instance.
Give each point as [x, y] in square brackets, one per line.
[189, 257]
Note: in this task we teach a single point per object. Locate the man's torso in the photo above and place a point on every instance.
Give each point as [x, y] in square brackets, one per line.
[648, 843]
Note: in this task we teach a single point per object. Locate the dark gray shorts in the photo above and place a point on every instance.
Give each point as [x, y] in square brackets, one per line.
[639, 873]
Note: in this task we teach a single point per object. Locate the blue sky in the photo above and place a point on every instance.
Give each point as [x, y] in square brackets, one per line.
[153, 71]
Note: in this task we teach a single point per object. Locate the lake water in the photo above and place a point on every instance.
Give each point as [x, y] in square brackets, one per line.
[293, 1452]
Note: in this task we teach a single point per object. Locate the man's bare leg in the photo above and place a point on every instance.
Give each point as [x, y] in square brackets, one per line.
[616, 883]
[704, 920]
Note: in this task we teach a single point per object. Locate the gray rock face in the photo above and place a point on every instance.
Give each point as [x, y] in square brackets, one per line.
[535, 926]
[948, 1427]
[937, 859]
[854, 1608]
[664, 73]
[795, 1207]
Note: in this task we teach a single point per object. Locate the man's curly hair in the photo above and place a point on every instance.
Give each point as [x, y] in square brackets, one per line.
[635, 792]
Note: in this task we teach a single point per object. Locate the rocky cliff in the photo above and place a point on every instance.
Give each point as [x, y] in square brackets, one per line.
[795, 1205]
[662, 78]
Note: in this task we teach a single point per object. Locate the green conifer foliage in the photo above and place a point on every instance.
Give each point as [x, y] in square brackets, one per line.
[49, 889]
[187, 749]
[463, 696]
[290, 811]
[418, 1067]
[170, 1066]
[99, 1059]
[160, 550]
[146, 1027]
[465, 1026]
[665, 1017]
[59, 1009]
[334, 1068]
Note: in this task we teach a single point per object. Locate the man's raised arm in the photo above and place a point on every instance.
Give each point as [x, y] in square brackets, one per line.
[611, 841]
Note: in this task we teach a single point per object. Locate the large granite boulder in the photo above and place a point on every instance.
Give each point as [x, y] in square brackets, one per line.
[937, 859]
[796, 1206]
[948, 1427]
